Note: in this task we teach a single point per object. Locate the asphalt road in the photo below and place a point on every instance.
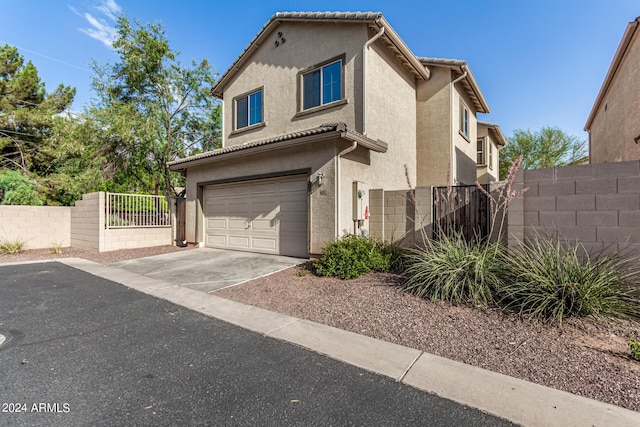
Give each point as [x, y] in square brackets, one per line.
[87, 351]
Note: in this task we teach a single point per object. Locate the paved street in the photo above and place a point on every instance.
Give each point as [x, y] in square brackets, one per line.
[100, 353]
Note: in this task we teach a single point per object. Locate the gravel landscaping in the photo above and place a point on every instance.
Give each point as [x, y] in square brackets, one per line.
[582, 357]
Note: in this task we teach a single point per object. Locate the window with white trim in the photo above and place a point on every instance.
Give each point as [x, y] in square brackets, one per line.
[480, 152]
[322, 85]
[464, 119]
[249, 109]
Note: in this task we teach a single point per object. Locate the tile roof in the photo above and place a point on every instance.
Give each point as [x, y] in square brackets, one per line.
[325, 128]
[496, 132]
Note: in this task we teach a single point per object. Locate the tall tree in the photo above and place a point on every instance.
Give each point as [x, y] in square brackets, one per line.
[152, 109]
[547, 147]
[27, 113]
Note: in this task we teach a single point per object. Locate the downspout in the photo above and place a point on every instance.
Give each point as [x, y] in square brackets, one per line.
[365, 48]
[342, 153]
[452, 170]
[364, 124]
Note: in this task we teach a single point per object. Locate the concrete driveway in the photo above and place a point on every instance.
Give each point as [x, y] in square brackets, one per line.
[206, 269]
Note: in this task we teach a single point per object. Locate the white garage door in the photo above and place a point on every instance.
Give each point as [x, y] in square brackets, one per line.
[268, 216]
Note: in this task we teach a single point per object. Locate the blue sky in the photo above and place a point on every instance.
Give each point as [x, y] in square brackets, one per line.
[538, 63]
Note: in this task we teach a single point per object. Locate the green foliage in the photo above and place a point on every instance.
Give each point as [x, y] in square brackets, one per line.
[151, 109]
[27, 113]
[454, 270]
[635, 349]
[57, 248]
[17, 189]
[547, 147]
[351, 256]
[397, 257]
[550, 279]
[11, 246]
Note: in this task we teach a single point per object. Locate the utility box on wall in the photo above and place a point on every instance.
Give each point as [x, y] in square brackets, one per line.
[360, 206]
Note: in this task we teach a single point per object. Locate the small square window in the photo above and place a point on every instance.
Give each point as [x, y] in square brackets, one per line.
[322, 85]
[249, 110]
[464, 119]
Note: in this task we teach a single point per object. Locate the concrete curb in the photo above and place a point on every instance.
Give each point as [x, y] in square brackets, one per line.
[519, 401]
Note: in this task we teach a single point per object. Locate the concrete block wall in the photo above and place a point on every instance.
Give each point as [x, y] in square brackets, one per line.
[87, 222]
[131, 238]
[39, 227]
[399, 216]
[597, 204]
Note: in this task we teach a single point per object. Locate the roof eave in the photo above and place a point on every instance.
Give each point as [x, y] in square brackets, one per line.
[348, 135]
[613, 68]
[482, 106]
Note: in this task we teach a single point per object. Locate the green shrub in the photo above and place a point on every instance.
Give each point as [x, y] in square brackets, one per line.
[454, 270]
[12, 246]
[397, 257]
[17, 189]
[551, 280]
[635, 349]
[351, 256]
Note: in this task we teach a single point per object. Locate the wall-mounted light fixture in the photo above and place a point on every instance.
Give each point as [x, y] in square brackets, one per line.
[320, 178]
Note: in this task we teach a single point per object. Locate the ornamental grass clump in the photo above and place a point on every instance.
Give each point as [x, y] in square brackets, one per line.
[11, 246]
[455, 270]
[551, 280]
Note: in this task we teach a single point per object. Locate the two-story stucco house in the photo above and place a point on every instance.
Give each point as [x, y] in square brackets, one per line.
[614, 122]
[490, 139]
[317, 110]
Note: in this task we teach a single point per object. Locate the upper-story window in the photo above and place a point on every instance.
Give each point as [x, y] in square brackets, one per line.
[480, 152]
[322, 85]
[249, 109]
[464, 120]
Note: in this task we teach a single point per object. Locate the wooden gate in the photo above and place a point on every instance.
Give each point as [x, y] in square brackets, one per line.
[462, 208]
[181, 221]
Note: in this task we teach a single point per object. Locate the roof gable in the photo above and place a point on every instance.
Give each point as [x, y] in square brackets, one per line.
[468, 82]
[373, 20]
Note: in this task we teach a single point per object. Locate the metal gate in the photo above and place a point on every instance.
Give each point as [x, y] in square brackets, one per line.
[463, 209]
[181, 216]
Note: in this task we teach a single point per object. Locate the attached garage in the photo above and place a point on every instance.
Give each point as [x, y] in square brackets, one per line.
[268, 216]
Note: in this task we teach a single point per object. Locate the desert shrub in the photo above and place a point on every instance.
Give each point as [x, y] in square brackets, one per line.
[635, 349]
[14, 246]
[455, 270]
[397, 257]
[550, 279]
[351, 256]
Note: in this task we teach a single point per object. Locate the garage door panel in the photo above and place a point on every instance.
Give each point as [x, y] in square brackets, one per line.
[237, 224]
[267, 216]
[265, 244]
[264, 225]
[238, 242]
[216, 239]
[216, 223]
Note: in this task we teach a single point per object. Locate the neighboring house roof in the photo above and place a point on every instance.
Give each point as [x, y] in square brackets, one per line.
[469, 82]
[321, 133]
[495, 132]
[374, 20]
[629, 34]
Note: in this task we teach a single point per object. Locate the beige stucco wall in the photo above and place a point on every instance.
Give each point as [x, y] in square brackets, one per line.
[391, 117]
[464, 161]
[616, 123]
[316, 156]
[276, 69]
[39, 227]
[433, 127]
